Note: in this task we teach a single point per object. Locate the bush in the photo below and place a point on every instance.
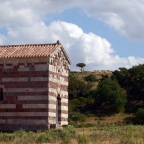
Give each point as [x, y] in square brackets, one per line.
[83, 139]
[77, 117]
[73, 123]
[23, 137]
[48, 136]
[4, 137]
[139, 116]
[90, 78]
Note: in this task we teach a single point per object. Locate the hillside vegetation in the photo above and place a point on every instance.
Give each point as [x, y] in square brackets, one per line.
[100, 94]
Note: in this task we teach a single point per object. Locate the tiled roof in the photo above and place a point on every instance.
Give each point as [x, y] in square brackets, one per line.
[30, 50]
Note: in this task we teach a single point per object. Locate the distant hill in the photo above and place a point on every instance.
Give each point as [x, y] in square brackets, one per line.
[97, 73]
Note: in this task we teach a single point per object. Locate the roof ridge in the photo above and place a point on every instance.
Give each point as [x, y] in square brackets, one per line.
[28, 50]
[22, 45]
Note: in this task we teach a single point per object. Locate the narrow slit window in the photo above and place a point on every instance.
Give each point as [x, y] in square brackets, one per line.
[1, 94]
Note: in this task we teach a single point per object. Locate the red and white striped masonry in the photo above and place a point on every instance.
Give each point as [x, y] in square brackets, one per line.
[34, 79]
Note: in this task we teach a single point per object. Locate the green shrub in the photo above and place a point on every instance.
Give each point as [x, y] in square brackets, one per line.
[66, 141]
[70, 131]
[43, 138]
[17, 137]
[4, 137]
[82, 139]
[139, 116]
[67, 133]
[90, 78]
[23, 137]
[77, 117]
[73, 123]
[47, 136]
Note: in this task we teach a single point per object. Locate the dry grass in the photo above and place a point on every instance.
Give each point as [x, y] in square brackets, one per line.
[97, 74]
[119, 118]
[100, 134]
[113, 134]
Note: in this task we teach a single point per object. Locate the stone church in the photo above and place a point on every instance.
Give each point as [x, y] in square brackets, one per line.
[33, 86]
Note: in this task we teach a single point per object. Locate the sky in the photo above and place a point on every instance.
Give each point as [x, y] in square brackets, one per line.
[103, 34]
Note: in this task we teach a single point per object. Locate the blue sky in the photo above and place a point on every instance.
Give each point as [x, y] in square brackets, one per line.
[104, 34]
[122, 45]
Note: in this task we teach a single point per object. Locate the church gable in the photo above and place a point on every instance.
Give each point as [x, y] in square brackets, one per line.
[33, 86]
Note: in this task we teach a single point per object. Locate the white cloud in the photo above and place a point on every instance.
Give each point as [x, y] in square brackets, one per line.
[125, 16]
[24, 21]
[2, 39]
[13, 13]
[89, 48]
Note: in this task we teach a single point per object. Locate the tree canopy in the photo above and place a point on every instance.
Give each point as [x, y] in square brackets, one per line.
[81, 65]
[132, 80]
[111, 95]
[102, 94]
[78, 88]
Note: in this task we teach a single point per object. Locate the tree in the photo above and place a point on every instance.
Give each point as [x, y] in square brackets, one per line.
[78, 88]
[81, 65]
[132, 80]
[111, 95]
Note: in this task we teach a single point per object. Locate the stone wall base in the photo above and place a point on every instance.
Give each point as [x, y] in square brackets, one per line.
[12, 128]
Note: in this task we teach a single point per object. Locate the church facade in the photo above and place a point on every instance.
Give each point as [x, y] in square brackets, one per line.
[33, 86]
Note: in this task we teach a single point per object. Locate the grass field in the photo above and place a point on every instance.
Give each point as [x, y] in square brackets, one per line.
[113, 134]
[102, 134]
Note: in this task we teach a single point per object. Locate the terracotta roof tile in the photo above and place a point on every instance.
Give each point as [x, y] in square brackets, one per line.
[31, 50]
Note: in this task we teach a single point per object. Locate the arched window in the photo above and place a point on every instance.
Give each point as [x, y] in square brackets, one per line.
[58, 110]
[1, 94]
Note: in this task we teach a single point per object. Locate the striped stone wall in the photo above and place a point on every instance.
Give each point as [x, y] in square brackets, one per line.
[58, 88]
[35, 92]
[25, 94]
